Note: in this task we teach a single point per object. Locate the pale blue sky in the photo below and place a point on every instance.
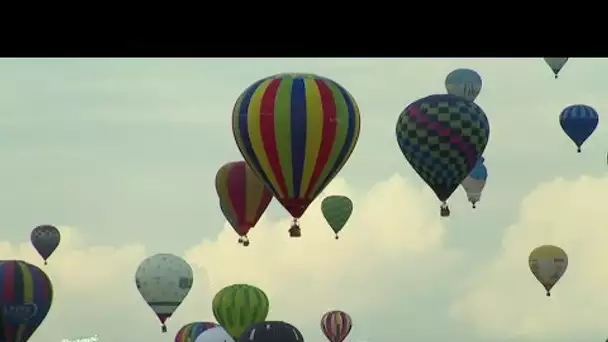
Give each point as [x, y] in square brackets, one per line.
[125, 152]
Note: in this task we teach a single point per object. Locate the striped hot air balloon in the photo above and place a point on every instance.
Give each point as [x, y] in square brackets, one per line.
[243, 197]
[189, 332]
[26, 295]
[336, 325]
[237, 306]
[296, 131]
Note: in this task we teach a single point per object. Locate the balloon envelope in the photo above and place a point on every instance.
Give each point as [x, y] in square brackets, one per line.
[243, 196]
[217, 334]
[271, 331]
[189, 332]
[442, 137]
[237, 306]
[26, 295]
[337, 211]
[45, 239]
[548, 264]
[336, 325]
[579, 122]
[164, 281]
[465, 83]
[556, 64]
[296, 131]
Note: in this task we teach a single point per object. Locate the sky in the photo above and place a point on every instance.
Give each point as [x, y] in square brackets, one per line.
[121, 155]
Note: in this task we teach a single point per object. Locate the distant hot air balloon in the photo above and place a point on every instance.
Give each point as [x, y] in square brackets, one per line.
[217, 334]
[579, 122]
[296, 131]
[45, 239]
[548, 264]
[336, 325]
[237, 306]
[164, 280]
[189, 332]
[465, 83]
[243, 197]
[442, 136]
[337, 211]
[475, 182]
[271, 331]
[26, 295]
[556, 64]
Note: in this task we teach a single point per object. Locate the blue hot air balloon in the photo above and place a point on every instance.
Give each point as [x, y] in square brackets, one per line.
[26, 295]
[578, 122]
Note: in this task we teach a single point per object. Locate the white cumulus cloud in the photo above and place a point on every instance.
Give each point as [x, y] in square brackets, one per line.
[505, 299]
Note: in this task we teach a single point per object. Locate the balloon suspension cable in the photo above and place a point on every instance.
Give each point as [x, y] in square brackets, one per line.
[295, 230]
[444, 210]
[245, 241]
[163, 328]
[578, 149]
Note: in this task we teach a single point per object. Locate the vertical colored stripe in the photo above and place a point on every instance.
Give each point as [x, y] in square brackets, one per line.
[267, 130]
[241, 129]
[283, 129]
[235, 177]
[314, 128]
[328, 133]
[351, 123]
[299, 129]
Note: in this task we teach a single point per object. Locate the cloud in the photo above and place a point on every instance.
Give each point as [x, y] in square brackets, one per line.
[395, 232]
[505, 300]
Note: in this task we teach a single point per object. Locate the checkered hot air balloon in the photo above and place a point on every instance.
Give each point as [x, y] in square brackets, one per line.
[442, 136]
[336, 325]
[237, 306]
[296, 131]
[243, 197]
[579, 122]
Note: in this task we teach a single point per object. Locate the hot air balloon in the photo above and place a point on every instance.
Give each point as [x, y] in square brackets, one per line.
[556, 63]
[237, 306]
[442, 136]
[45, 239]
[243, 197]
[465, 83]
[271, 331]
[26, 295]
[475, 182]
[336, 325]
[296, 131]
[217, 334]
[337, 211]
[164, 280]
[548, 264]
[229, 216]
[189, 332]
[578, 122]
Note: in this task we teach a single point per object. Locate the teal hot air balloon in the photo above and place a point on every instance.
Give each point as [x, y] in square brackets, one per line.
[442, 136]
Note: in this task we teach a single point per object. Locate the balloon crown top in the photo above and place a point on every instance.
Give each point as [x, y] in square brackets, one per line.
[295, 75]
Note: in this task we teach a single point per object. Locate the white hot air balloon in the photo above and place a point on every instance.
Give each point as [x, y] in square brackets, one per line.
[217, 334]
[556, 63]
[475, 182]
[465, 83]
[164, 280]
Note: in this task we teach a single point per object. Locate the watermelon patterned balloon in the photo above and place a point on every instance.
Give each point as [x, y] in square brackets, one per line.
[296, 131]
[337, 211]
[442, 136]
[237, 306]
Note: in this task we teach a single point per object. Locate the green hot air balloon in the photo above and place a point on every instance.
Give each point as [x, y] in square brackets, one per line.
[237, 306]
[337, 211]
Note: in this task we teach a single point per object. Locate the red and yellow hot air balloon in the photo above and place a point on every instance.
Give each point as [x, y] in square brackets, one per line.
[336, 325]
[243, 197]
[296, 131]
